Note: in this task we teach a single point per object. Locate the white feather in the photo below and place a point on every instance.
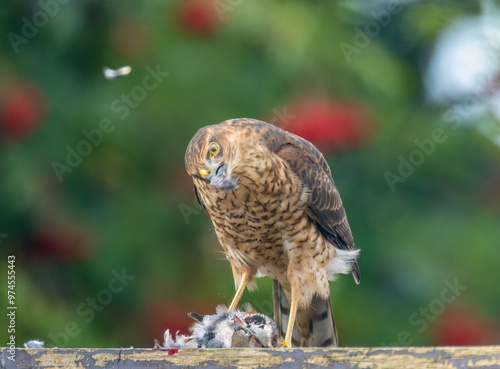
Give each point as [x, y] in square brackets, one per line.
[342, 263]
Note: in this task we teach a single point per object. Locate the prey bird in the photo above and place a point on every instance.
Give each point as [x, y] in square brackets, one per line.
[224, 329]
[276, 212]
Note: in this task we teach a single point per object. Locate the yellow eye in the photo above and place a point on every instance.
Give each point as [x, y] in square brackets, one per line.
[213, 149]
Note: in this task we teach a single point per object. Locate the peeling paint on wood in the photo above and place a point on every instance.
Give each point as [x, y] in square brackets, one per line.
[484, 357]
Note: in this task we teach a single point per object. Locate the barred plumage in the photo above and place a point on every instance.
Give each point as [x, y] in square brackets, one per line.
[277, 213]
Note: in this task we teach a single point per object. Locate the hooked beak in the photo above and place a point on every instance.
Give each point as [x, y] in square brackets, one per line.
[204, 173]
[219, 177]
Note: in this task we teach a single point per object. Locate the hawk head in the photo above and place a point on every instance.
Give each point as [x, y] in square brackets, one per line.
[210, 157]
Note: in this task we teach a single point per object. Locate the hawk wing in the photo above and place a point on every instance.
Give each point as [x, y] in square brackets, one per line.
[324, 206]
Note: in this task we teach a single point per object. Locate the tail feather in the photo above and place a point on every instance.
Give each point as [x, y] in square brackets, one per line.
[281, 313]
[314, 327]
[355, 272]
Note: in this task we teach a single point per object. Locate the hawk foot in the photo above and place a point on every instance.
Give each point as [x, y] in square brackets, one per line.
[286, 344]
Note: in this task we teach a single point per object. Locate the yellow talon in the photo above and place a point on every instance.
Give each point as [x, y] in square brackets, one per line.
[286, 344]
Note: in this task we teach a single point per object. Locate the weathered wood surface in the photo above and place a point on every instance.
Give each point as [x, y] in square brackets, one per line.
[341, 358]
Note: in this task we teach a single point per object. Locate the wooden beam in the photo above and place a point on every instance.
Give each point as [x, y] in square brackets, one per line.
[345, 358]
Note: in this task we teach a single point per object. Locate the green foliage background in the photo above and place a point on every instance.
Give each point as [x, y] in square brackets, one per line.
[126, 196]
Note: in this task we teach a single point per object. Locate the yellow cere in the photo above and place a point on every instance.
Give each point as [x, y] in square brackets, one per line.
[204, 172]
[213, 149]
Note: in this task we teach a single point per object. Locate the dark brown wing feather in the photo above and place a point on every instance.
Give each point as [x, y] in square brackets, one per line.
[325, 205]
[199, 200]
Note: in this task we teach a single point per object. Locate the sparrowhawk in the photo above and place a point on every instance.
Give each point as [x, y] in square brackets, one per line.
[277, 213]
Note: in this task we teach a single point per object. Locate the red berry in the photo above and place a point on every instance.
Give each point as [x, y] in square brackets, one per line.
[462, 326]
[22, 109]
[199, 16]
[328, 124]
[64, 242]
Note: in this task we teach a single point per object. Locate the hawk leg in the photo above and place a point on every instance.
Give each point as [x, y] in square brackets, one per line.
[291, 319]
[245, 279]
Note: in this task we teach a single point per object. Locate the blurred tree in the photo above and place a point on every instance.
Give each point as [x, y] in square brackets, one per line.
[125, 205]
